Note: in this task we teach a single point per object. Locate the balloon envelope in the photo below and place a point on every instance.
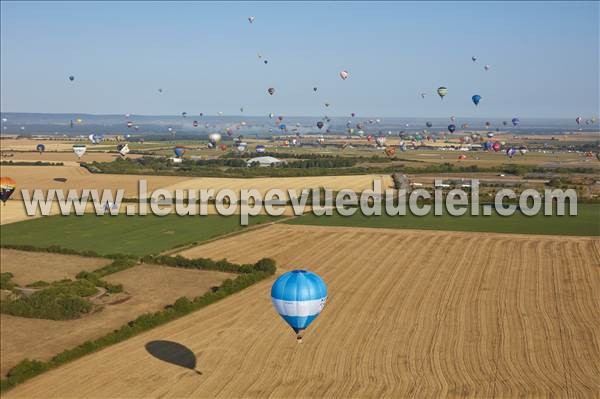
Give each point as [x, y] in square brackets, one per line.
[299, 296]
[476, 98]
[40, 148]
[7, 187]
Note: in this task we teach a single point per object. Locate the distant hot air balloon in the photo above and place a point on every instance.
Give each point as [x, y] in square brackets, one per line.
[315, 89]
[123, 149]
[327, 104]
[214, 138]
[251, 19]
[504, 123]
[184, 114]
[79, 150]
[487, 67]
[428, 124]
[474, 58]
[451, 128]
[320, 125]
[353, 114]
[344, 74]
[71, 78]
[424, 94]
[578, 120]
[490, 135]
[380, 141]
[7, 187]
[195, 123]
[299, 296]
[40, 148]
[442, 91]
[523, 150]
[515, 121]
[453, 118]
[179, 151]
[271, 90]
[476, 98]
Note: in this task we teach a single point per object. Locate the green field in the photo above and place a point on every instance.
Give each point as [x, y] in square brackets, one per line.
[586, 223]
[133, 235]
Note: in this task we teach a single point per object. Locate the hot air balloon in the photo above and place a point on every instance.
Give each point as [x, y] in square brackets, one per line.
[451, 128]
[523, 150]
[453, 118]
[344, 74]
[496, 146]
[123, 149]
[7, 187]
[326, 104]
[184, 114]
[251, 19]
[129, 124]
[271, 90]
[424, 94]
[428, 124]
[179, 151]
[214, 138]
[442, 91]
[260, 148]
[71, 78]
[299, 296]
[487, 67]
[380, 141]
[271, 115]
[490, 135]
[476, 98]
[320, 125]
[160, 90]
[265, 62]
[578, 120]
[315, 89]
[195, 123]
[474, 58]
[353, 114]
[488, 124]
[515, 121]
[79, 150]
[40, 148]
[504, 123]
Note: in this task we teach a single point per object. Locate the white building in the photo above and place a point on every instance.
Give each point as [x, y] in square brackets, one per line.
[264, 161]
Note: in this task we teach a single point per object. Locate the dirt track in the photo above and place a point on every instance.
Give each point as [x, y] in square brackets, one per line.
[410, 313]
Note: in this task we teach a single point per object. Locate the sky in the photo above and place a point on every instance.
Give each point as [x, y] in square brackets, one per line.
[543, 57]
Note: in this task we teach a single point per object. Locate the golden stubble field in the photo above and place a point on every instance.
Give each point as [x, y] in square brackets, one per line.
[410, 313]
[147, 288]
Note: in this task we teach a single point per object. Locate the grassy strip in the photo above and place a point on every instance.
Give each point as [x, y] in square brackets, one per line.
[27, 369]
[136, 235]
[585, 223]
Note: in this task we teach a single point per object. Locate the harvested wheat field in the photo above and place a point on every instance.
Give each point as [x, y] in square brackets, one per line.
[148, 288]
[29, 267]
[43, 177]
[264, 184]
[410, 313]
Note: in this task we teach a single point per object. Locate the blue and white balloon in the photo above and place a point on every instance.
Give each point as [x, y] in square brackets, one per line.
[299, 296]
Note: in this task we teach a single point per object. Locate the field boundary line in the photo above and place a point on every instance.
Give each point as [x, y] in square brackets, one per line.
[174, 251]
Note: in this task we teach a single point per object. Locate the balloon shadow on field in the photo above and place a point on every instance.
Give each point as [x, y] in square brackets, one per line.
[174, 353]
